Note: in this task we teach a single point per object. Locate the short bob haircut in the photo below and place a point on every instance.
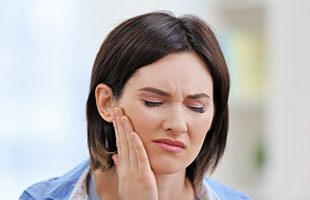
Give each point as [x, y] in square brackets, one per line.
[140, 41]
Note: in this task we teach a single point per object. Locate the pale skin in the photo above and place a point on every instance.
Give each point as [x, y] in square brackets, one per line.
[171, 99]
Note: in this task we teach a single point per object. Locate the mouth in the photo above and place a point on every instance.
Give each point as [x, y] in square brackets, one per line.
[173, 146]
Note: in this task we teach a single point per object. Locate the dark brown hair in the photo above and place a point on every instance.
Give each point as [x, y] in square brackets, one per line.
[138, 42]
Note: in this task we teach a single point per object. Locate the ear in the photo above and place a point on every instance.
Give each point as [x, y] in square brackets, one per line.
[104, 101]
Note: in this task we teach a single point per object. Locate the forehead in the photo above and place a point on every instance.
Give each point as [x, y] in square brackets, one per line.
[178, 71]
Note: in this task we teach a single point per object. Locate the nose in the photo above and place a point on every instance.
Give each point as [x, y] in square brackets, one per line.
[175, 121]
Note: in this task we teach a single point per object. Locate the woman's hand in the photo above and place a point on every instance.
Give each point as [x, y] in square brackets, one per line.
[136, 179]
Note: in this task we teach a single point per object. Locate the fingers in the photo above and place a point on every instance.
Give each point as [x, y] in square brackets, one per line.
[132, 165]
[121, 138]
[141, 157]
[131, 147]
[123, 129]
[131, 152]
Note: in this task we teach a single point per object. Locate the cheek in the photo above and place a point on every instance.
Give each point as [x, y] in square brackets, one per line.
[199, 129]
[143, 121]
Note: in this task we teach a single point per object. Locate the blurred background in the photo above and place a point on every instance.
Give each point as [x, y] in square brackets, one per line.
[47, 49]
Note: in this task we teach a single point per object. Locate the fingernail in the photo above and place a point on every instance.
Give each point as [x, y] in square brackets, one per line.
[123, 119]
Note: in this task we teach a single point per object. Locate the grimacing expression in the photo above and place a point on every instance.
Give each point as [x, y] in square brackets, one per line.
[170, 104]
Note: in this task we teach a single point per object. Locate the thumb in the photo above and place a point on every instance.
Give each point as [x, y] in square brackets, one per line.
[115, 160]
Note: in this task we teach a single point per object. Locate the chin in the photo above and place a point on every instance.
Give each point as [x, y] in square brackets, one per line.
[163, 165]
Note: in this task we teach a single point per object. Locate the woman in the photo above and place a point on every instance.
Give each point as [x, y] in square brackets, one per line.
[157, 116]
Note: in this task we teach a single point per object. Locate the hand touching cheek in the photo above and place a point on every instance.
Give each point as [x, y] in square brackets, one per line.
[135, 177]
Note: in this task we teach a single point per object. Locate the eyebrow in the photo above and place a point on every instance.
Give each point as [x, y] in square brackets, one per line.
[156, 91]
[197, 96]
[166, 94]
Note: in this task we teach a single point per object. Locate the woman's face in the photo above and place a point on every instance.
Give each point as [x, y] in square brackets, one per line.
[170, 104]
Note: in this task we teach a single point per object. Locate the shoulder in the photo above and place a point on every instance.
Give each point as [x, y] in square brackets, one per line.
[224, 192]
[55, 188]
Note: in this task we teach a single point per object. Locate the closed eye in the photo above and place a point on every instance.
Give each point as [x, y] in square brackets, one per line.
[197, 109]
[152, 103]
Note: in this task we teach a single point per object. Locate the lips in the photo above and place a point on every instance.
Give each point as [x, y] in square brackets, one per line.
[173, 146]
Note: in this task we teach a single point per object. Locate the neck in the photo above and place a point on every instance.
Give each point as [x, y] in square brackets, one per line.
[106, 184]
[174, 186]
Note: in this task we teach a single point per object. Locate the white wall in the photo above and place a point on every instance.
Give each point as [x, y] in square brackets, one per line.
[47, 49]
[287, 173]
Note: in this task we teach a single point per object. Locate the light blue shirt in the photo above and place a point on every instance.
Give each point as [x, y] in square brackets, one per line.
[73, 185]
